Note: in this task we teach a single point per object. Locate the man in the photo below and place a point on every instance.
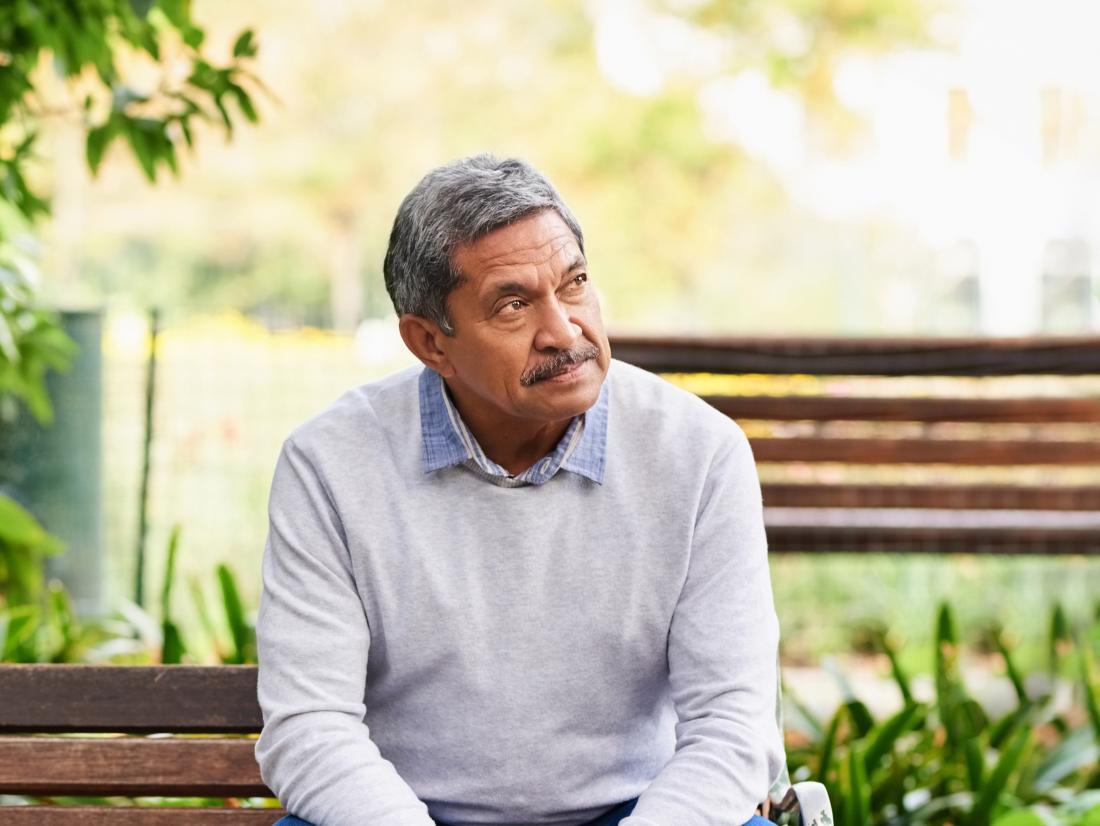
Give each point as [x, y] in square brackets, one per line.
[524, 584]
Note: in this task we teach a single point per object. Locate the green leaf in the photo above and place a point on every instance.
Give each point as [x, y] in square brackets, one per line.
[896, 671]
[244, 46]
[1010, 666]
[178, 12]
[861, 718]
[141, 8]
[219, 104]
[18, 527]
[1009, 723]
[1092, 694]
[1060, 638]
[239, 630]
[97, 141]
[859, 810]
[193, 36]
[138, 132]
[172, 645]
[245, 102]
[990, 793]
[975, 764]
[887, 734]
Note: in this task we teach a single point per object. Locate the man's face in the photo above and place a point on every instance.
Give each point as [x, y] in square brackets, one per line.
[529, 341]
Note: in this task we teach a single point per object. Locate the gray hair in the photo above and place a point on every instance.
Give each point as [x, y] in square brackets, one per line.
[457, 204]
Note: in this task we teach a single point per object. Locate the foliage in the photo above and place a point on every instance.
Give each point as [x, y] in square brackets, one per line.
[85, 46]
[681, 227]
[31, 343]
[95, 48]
[60, 60]
[25, 542]
[35, 622]
[945, 760]
[38, 623]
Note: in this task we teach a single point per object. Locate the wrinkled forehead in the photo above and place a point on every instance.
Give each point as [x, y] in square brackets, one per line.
[535, 242]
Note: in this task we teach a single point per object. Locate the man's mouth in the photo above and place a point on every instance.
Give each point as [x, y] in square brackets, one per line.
[558, 365]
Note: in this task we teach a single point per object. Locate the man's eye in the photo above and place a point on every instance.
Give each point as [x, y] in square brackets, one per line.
[513, 305]
[580, 280]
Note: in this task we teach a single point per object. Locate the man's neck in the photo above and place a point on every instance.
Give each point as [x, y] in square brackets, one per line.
[514, 444]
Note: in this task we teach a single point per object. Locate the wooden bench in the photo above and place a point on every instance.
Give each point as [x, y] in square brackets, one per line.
[132, 731]
[865, 470]
[95, 731]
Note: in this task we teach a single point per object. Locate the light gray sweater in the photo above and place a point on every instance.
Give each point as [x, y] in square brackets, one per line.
[433, 645]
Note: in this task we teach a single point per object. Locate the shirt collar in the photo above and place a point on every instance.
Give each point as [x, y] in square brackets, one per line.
[447, 441]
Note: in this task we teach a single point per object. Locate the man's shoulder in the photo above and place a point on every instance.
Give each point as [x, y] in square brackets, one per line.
[646, 400]
[360, 412]
[664, 423]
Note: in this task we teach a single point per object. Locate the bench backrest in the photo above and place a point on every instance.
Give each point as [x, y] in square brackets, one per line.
[836, 464]
[67, 701]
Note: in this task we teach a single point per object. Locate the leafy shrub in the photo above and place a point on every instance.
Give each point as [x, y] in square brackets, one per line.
[946, 761]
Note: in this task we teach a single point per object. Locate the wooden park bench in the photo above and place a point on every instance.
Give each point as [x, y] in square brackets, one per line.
[91, 731]
[134, 731]
[953, 468]
[87, 731]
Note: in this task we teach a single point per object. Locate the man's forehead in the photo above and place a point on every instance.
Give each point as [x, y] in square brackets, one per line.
[528, 244]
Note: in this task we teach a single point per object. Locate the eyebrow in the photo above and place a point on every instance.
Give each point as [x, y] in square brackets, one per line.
[504, 288]
[508, 287]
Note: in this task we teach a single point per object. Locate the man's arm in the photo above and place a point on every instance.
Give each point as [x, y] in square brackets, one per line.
[722, 662]
[315, 751]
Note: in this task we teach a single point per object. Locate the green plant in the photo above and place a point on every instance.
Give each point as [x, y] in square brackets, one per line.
[88, 45]
[944, 760]
[84, 44]
[30, 343]
[230, 636]
[233, 638]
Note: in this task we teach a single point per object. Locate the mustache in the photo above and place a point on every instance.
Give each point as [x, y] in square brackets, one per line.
[558, 362]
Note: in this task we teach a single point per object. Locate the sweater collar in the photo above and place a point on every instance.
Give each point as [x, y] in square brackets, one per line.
[447, 441]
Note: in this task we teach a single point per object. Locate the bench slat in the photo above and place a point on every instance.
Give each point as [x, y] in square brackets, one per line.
[982, 497]
[133, 699]
[189, 767]
[926, 451]
[851, 408]
[866, 530]
[125, 816]
[972, 356]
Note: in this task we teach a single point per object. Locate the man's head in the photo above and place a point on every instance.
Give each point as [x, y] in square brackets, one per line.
[486, 269]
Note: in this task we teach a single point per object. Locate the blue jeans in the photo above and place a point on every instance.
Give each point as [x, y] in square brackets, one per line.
[611, 818]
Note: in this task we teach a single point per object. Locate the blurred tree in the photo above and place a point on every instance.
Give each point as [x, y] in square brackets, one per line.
[79, 62]
[800, 42]
[129, 69]
[681, 224]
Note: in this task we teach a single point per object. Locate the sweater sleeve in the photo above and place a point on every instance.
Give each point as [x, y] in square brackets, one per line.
[722, 647]
[315, 751]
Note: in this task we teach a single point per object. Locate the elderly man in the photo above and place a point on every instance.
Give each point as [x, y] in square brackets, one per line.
[524, 584]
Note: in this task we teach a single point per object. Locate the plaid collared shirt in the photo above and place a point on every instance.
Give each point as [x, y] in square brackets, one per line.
[447, 441]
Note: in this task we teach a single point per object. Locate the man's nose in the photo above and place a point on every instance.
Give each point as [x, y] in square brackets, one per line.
[557, 331]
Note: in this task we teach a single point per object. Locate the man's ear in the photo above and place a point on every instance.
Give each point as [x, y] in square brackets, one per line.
[427, 342]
